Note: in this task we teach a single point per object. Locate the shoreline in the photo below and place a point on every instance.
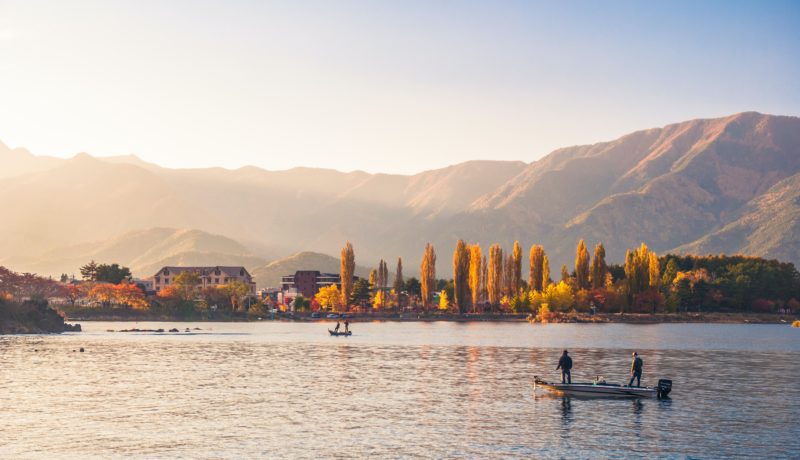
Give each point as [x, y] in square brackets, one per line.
[599, 318]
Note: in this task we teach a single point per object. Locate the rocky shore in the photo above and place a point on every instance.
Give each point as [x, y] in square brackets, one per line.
[32, 318]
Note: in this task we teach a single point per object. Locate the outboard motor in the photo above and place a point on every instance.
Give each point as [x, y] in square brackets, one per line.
[663, 388]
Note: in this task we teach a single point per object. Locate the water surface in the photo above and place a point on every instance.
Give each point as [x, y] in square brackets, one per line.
[288, 390]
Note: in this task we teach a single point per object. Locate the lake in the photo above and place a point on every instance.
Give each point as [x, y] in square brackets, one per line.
[398, 390]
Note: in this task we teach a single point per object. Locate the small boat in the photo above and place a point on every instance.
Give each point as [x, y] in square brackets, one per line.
[334, 333]
[602, 389]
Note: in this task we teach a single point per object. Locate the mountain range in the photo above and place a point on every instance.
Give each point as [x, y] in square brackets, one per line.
[728, 184]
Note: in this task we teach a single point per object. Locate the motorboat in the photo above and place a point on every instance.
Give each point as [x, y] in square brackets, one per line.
[599, 387]
[337, 333]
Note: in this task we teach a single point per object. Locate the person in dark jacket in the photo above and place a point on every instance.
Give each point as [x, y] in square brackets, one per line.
[565, 364]
[636, 370]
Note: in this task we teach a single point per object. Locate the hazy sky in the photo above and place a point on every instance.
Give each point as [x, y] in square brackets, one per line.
[379, 86]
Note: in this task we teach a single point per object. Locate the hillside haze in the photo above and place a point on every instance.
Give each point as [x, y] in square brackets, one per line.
[711, 185]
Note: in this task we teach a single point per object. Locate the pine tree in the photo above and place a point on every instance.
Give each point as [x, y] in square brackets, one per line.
[599, 267]
[535, 278]
[581, 266]
[475, 274]
[427, 274]
[494, 276]
[461, 276]
[89, 271]
[347, 268]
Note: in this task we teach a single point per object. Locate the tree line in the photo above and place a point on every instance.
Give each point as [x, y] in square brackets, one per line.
[644, 283]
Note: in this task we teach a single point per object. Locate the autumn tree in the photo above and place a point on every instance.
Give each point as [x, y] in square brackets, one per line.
[564, 273]
[475, 273]
[508, 275]
[186, 284]
[236, 290]
[599, 268]
[536, 262]
[654, 270]
[484, 278]
[346, 271]
[494, 276]
[545, 271]
[515, 281]
[427, 272]
[129, 295]
[461, 291]
[642, 272]
[383, 280]
[444, 302]
[329, 297]
[373, 279]
[582, 266]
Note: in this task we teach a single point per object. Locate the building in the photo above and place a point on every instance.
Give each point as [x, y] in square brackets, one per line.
[209, 276]
[308, 282]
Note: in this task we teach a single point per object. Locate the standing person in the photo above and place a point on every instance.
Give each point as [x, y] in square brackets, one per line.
[636, 370]
[346, 326]
[565, 364]
[336, 329]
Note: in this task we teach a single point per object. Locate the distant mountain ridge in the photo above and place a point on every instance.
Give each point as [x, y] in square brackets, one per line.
[723, 184]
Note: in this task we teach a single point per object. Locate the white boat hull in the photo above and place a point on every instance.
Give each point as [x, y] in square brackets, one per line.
[591, 389]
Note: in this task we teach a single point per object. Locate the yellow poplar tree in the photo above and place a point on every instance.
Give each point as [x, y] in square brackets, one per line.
[516, 270]
[427, 271]
[461, 290]
[494, 275]
[347, 268]
[582, 266]
[536, 260]
[545, 271]
[475, 272]
[599, 267]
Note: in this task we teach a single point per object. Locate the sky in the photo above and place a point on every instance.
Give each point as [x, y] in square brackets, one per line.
[394, 87]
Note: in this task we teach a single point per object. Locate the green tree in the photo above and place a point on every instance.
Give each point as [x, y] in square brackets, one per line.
[413, 287]
[112, 273]
[360, 294]
[399, 285]
[89, 271]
